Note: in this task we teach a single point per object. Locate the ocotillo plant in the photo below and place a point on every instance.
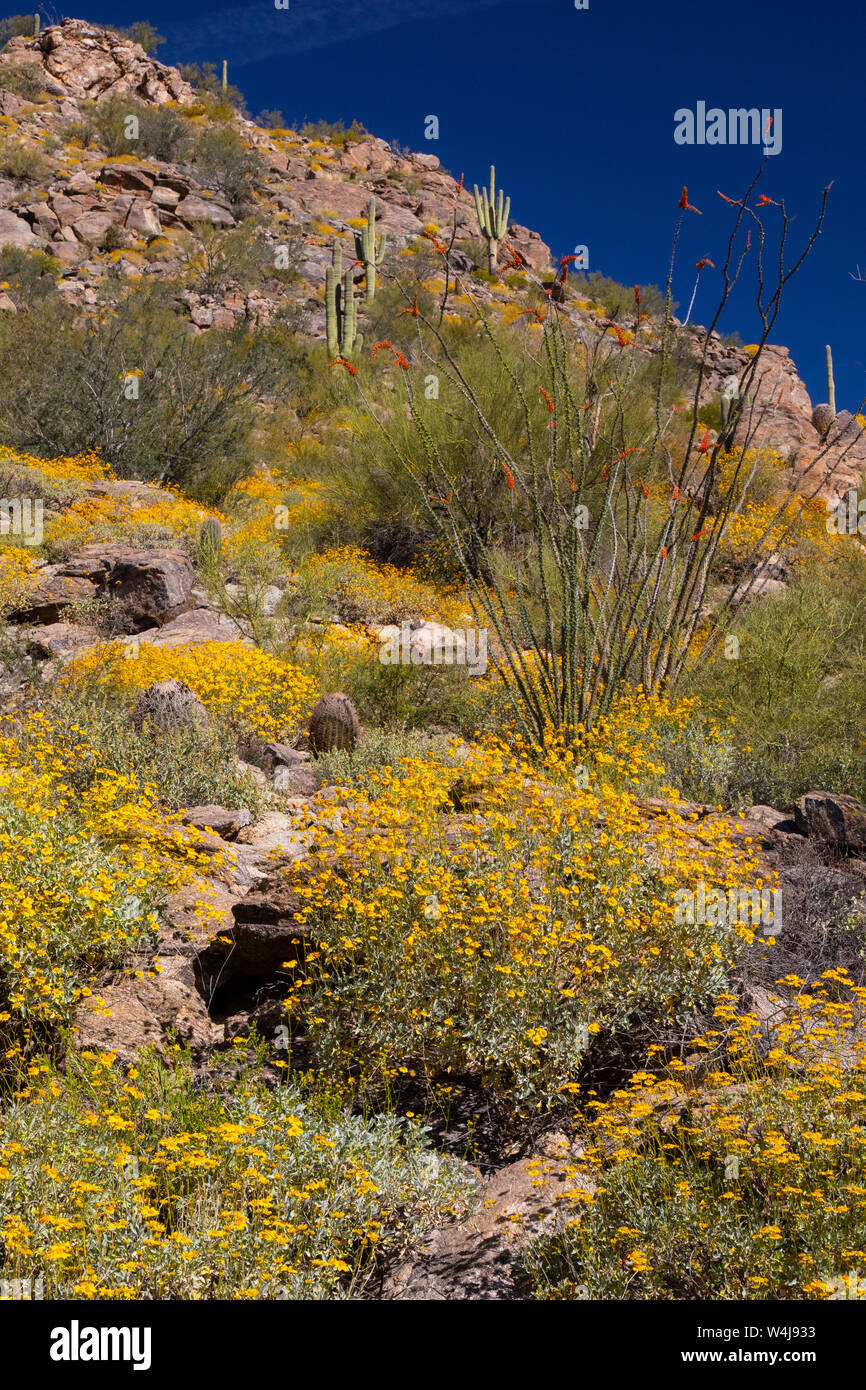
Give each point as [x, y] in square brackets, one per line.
[831, 385]
[370, 249]
[341, 308]
[492, 218]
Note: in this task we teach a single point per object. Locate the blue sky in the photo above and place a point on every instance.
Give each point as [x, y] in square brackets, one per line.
[576, 110]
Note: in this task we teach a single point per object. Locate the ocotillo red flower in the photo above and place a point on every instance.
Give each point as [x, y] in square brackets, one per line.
[664, 552]
[733, 201]
[763, 200]
[625, 453]
[413, 310]
[697, 535]
[706, 261]
[446, 500]
[705, 443]
[676, 494]
[684, 203]
[509, 476]
[547, 399]
[377, 346]
[571, 483]
[638, 297]
[341, 362]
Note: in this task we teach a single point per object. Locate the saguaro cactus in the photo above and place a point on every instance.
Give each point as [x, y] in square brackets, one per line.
[730, 398]
[831, 385]
[341, 308]
[492, 218]
[225, 76]
[370, 249]
[824, 414]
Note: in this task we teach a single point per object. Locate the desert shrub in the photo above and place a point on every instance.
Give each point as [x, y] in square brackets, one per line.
[164, 133]
[16, 26]
[20, 161]
[141, 32]
[794, 695]
[103, 856]
[216, 258]
[190, 766]
[739, 1173]
[191, 422]
[271, 120]
[22, 80]
[216, 101]
[257, 1193]
[252, 690]
[618, 300]
[332, 132]
[30, 275]
[498, 945]
[229, 166]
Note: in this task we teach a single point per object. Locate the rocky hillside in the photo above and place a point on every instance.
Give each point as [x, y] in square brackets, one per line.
[127, 215]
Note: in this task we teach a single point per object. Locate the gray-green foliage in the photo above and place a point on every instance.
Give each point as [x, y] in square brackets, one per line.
[189, 419]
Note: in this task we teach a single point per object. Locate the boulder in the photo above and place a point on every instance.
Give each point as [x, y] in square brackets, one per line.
[125, 1017]
[153, 586]
[14, 231]
[192, 209]
[837, 820]
[225, 823]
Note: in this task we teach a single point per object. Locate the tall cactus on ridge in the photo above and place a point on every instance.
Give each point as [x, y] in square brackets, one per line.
[341, 308]
[831, 385]
[492, 218]
[370, 249]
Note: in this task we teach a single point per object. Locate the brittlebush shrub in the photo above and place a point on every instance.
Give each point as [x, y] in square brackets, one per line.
[500, 942]
[145, 1186]
[86, 856]
[748, 1182]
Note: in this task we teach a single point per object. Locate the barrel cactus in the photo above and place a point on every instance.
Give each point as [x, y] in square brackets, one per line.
[824, 414]
[334, 724]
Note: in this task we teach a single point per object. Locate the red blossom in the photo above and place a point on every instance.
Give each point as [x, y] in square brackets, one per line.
[341, 362]
[763, 200]
[377, 346]
[413, 311]
[706, 261]
[684, 205]
[509, 476]
[547, 399]
[638, 297]
[705, 443]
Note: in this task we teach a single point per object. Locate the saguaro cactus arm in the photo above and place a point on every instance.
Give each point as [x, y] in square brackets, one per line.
[370, 249]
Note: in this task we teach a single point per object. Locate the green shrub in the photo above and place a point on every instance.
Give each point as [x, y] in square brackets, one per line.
[191, 423]
[30, 275]
[254, 1193]
[333, 132]
[21, 161]
[22, 80]
[229, 166]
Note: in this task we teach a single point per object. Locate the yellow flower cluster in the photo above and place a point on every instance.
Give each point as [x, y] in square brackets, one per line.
[85, 854]
[751, 1151]
[258, 691]
[383, 593]
[541, 906]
